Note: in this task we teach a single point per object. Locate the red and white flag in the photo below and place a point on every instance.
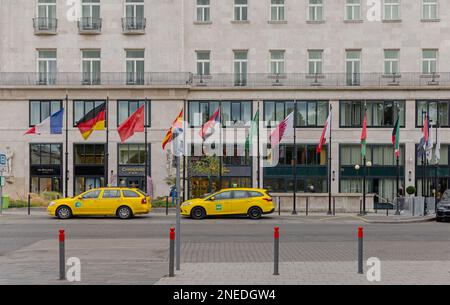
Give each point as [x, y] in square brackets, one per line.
[284, 129]
[325, 134]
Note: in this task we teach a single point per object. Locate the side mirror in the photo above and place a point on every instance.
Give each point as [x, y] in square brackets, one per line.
[212, 198]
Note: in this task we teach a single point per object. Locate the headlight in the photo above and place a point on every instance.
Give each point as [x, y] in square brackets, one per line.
[186, 204]
[52, 204]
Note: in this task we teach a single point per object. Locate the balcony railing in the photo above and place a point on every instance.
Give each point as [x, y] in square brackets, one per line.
[134, 25]
[89, 25]
[250, 80]
[45, 25]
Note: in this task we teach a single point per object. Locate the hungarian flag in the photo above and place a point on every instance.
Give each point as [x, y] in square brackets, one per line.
[364, 136]
[325, 134]
[285, 128]
[175, 129]
[93, 120]
[253, 131]
[210, 127]
[396, 137]
[51, 125]
[135, 123]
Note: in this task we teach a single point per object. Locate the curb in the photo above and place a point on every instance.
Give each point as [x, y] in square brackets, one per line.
[399, 221]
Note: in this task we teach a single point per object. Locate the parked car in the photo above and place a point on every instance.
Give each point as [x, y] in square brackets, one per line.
[443, 207]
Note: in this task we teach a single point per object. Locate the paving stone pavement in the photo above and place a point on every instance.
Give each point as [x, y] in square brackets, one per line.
[309, 273]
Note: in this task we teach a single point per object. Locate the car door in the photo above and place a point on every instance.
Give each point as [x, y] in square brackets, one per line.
[110, 202]
[87, 203]
[132, 199]
[241, 202]
[221, 205]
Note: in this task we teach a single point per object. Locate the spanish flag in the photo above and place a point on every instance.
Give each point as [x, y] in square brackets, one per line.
[175, 129]
[93, 120]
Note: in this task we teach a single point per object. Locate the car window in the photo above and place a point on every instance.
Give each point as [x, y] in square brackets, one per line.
[111, 194]
[255, 194]
[130, 194]
[223, 195]
[240, 194]
[91, 194]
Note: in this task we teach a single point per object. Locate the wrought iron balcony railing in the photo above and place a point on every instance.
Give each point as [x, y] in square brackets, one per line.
[134, 25]
[89, 25]
[250, 80]
[45, 25]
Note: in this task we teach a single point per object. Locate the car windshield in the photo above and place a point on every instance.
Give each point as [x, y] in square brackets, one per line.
[206, 195]
[446, 195]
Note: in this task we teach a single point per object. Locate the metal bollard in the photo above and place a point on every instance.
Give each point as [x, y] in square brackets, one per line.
[360, 250]
[62, 255]
[334, 206]
[276, 248]
[172, 253]
[29, 204]
[167, 205]
[307, 206]
[279, 205]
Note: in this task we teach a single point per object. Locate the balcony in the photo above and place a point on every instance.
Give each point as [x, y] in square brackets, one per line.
[45, 26]
[89, 25]
[133, 25]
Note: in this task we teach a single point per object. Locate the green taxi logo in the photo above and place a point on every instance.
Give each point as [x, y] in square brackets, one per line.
[77, 204]
[218, 207]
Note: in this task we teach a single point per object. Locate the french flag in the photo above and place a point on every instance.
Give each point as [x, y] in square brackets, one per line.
[51, 125]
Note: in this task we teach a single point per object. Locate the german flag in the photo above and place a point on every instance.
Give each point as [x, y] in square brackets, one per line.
[93, 120]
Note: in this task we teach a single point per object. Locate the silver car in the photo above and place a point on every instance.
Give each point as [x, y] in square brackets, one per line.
[443, 207]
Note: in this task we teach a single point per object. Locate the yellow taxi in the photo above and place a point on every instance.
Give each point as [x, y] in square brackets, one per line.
[236, 201]
[121, 202]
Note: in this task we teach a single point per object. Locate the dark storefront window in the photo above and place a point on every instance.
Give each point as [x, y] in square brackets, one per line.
[131, 170]
[40, 110]
[89, 166]
[379, 113]
[45, 168]
[81, 108]
[234, 113]
[438, 111]
[309, 113]
[442, 172]
[126, 108]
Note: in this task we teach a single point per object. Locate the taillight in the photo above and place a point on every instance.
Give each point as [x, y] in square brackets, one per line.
[144, 201]
[268, 199]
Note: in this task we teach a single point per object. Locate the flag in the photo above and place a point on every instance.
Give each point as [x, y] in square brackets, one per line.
[51, 125]
[174, 131]
[364, 136]
[93, 120]
[421, 148]
[437, 153]
[285, 128]
[209, 128]
[253, 131]
[430, 144]
[325, 134]
[396, 137]
[425, 128]
[135, 123]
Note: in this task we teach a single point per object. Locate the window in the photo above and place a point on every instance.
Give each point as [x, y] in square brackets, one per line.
[277, 10]
[430, 10]
[240, 10]
[203, 11]
[309, 113]
[91, 195]
[81, 108]
[40, 110]
[353, 67]
[236, 156]
[132, 154]
[46, 154]
[46, 10]
[135, 67]
[353, 10]
[111, 194]
[429, 61]
[378, 154]
[89, 154]
[240, 194]
[90, 8]
[306, 155]
[438, 112]
[277, 62]
[315, 64]
[240, 68]
[130, 194]
[315, 10]
[391, 61]
[203, 62]
[391, 10]
[126, 108]
[91, 67]
[134, 16]
[47, 67]
[379, 113]
[223, 195]
[233, 113]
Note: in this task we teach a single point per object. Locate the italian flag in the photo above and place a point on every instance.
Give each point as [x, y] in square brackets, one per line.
[396, 137]
[364, 136]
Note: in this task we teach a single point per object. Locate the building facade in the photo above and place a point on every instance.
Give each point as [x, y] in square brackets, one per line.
[278, 56]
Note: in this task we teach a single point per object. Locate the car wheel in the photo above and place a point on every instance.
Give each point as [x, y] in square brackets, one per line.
[198, 213]
[255, 213]
[64, 212]
[438, 219]
[124, 212]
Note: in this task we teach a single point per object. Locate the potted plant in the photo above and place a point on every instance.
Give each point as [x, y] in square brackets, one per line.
[411, 190]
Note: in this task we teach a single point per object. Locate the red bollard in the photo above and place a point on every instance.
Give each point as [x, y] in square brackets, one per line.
[172, 253]
[62, 255]
[276, 250]
[360, 250]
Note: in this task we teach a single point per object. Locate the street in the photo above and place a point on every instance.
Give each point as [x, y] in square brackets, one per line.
[136, 251]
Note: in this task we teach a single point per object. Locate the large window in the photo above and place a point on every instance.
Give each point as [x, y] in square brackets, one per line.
[236, 156]
[430, 9]
[81, 108]
[277, 62]
[378, 154]
[40, 110]
[233, 113]
[353, 10]
[277, 10]
[134, 10]
[353, 67]
[391, 10]
[315, 62]
[135, 67]
[90, 15]
[438, 112]
[46, 154]
[306, 155]
[203, 11]
[91, 66]
[429, 61]
[132, 154]
[46, 10]
[240, 68]
[126, 108]
[45, 167]
[89, 154]
[47, 67]
[309, 113]
[240, 10]
[315, 12]
[379, 113]
[391, 61]
[203, 62]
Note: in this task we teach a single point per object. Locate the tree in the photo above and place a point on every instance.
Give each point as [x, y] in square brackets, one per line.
[208, 166]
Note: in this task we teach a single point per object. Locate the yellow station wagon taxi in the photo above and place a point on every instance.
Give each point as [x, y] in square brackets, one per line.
[121, 202]
[236, 201]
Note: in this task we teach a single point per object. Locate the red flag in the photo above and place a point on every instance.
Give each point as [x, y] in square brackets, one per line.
[285, 128]
[177, 125]
[425, 129]
[209, 127]
[325, 134]
[135, 123]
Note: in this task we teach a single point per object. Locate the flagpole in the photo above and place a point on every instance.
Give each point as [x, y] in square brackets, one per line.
[146, 117]
[220, 147]
[66, 178]
[107, 140]
[423, 160]
[397, 140]
[184, 150]
[258, 172]
[329, 162]
[365, 164]
[436, 169]
[294, 211]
